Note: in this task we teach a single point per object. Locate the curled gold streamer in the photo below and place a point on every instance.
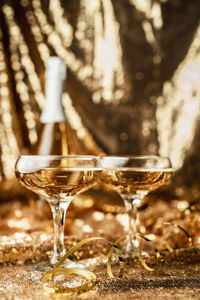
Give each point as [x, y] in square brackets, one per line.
[90, 276]
[157, 253]
[190, 242]
[121, 260]
[143, 262]
[51, 274]
[75, 247]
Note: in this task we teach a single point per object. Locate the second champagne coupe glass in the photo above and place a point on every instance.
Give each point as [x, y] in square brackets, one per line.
[58, 179]
[133, 177]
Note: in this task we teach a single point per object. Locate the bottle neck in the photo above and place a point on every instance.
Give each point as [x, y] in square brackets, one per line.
[53, 111]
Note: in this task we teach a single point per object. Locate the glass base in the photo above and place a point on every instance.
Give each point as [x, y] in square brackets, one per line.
[73, 264]
[134, 252]
[129, 247]
[92, 263]
[67, 264]
[40, 268]
[131, 244]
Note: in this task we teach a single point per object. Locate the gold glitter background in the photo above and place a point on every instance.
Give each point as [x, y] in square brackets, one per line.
[132, 88]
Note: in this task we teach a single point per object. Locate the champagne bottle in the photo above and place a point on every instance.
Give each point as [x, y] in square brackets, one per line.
[55, 134]
[55, 137]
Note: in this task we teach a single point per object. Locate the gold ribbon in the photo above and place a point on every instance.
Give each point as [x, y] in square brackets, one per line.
[157, 254]
[51, 274]
[121, 260]
[143, 262]
[90, 276]
[190, 242]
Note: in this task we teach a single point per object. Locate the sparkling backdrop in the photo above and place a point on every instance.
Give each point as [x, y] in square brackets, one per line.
[133, 77]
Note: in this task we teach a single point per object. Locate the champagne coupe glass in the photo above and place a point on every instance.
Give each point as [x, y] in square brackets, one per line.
[133, 177]
[58, 179]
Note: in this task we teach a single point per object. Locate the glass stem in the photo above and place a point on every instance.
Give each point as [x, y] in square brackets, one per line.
[131, 209]
[59, 213]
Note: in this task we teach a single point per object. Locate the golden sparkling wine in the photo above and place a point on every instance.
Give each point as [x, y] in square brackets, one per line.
[57, 184]
[135, 180]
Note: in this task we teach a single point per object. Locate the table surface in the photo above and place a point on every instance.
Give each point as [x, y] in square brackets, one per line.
[26, 238]
[174, 282]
